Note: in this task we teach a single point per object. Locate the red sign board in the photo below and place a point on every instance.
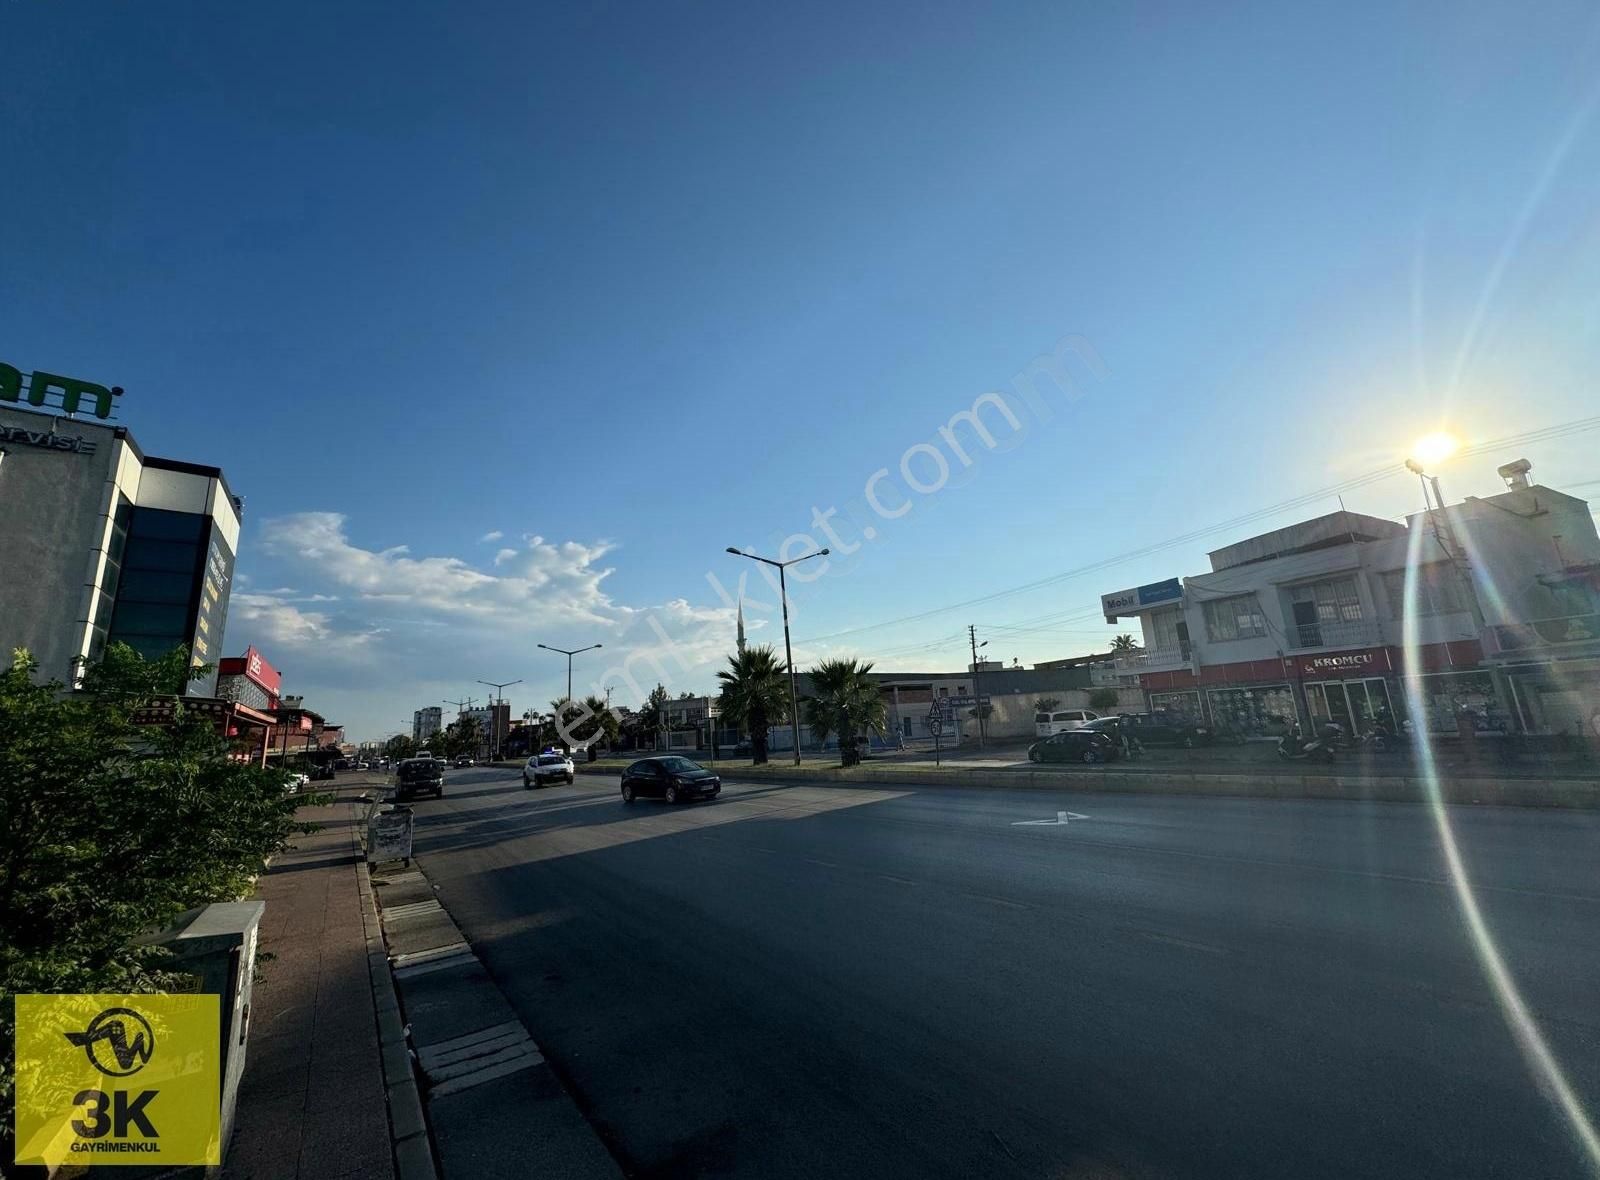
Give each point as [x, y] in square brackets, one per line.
[263, 673]
[1344, 665]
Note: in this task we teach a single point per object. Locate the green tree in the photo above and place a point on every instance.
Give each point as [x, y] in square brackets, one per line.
[588, 724]
[400, 746]
[653, 714]
[1046, 704]
[845, 701]
[109, 829]
[1124, 642]
[1102, 700]
[753, 695]
[459, 738]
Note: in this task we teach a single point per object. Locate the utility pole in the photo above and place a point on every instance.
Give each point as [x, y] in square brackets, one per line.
[972, 636]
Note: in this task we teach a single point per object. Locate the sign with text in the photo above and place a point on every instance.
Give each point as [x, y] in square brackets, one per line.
[119, 1079]
[67, 394]
[1113, 606]
[47, 440]
[1338, 665]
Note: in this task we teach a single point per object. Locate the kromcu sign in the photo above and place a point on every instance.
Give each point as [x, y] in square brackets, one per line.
[1373, 660]
[67, 394]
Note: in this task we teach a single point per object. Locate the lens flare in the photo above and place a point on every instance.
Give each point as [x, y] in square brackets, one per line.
[1432, 449]
[1524, 1028]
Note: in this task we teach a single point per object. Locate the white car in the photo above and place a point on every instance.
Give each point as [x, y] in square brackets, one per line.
[547, 768]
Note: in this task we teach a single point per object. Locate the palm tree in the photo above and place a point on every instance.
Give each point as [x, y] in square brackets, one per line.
[845, 701]
[1124, 643]
[1047, 704]
[753, 695]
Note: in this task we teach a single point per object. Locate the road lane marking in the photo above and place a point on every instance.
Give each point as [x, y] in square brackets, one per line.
[827, 864]
[1005, 901]
[896, 880]
[1062, 819]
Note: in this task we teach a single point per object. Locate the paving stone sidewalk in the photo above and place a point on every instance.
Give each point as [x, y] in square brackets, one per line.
[312, 1101]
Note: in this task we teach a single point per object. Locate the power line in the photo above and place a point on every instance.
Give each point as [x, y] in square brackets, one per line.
[1377, 475]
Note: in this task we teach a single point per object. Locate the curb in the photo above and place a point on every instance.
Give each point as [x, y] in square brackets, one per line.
[408, 1130]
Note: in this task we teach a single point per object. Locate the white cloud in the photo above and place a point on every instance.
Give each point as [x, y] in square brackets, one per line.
[376, 628]
[491, 536]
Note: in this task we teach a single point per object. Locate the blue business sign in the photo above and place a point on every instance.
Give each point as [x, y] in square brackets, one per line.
[1127, 602]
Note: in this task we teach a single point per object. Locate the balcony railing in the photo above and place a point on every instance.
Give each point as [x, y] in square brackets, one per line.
[1158, 659]
[1352, 634]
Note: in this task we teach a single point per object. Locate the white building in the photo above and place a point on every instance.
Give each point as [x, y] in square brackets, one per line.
[425, 723]
[1309, 623]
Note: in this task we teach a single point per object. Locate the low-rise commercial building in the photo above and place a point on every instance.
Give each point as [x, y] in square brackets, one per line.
[1492, 604]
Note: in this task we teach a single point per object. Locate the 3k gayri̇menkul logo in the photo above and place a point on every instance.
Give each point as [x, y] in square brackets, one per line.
[118, 1042]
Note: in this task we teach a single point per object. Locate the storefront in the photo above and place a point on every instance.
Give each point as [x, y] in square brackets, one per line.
[1179, 704]
[1259, 711]
[1350, 689]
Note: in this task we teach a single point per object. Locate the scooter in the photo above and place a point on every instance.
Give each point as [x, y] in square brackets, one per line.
[1292, 747]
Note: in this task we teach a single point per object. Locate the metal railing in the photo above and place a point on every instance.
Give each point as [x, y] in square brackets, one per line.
[1361, 633]
[1158, 659]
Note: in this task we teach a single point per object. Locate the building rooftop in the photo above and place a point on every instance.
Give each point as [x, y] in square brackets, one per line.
[1322, 532]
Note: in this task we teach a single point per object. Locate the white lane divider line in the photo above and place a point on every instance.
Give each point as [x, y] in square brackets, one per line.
[1062, 819]
[459, 959]
[439, 952]
[412, 910]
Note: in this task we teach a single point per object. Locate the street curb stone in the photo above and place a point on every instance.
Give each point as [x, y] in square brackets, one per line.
[408, 1129]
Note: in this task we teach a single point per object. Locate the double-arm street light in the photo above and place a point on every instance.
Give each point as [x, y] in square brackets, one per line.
[494, 715]
[788, 654]
[569, 654]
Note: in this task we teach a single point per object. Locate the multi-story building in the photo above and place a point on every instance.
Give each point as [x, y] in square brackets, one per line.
[425, 723]
[1493, 604]
[105, 542]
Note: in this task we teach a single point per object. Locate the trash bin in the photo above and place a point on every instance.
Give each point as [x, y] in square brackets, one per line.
[389, 835]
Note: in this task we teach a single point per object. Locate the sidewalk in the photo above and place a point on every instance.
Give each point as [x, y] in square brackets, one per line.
[312, 1101]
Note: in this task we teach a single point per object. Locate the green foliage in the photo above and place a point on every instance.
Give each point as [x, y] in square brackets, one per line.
[400, 746]
[109, 829]
[461, 736]
[753, 695]
[1124, 643]
[653, 714]
[846, 702]
[1102, 700]
[1046, 704]
[586, 724]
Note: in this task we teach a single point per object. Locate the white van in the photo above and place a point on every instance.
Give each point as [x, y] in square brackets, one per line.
[1050, 724]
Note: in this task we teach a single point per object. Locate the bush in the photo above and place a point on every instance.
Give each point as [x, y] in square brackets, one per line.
[110, 829]
[1102, 700]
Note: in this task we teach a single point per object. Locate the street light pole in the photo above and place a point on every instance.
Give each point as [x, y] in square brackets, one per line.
[788, 652]
[494, 715]
[561, 716]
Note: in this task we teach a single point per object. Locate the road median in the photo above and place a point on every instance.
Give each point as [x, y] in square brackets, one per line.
[1507, 792]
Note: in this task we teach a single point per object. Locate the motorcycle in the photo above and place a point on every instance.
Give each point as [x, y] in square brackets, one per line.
[1293, 747]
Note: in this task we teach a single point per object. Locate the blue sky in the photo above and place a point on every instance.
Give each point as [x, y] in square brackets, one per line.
[645, 281]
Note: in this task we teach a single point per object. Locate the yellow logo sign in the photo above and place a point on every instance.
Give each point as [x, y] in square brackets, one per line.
[112, 1079]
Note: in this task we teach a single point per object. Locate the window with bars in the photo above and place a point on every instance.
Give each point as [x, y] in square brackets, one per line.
[1337, 600]
[1238, 617]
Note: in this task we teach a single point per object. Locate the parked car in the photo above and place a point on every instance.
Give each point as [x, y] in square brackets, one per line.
[323, 773]
[547, 768]
[669, 777]
[419, 776]
[1076, 745]
[297, 780]
[1171, 729]
[463, 761]
[1061, 721]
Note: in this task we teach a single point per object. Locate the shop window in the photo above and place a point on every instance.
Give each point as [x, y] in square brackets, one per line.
[1238, 617]
[1177, 704]
[1264, 711]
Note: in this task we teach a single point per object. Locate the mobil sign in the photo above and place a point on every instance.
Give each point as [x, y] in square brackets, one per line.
[1131, 602]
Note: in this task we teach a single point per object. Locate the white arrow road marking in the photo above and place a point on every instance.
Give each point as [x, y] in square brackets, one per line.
[1061, 820]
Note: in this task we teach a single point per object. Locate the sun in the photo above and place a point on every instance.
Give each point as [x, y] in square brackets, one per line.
[1433, 449]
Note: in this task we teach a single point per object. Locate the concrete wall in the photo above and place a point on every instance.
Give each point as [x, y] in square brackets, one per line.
[50, 532]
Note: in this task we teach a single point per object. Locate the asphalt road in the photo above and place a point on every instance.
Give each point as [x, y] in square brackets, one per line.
[810, 981]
